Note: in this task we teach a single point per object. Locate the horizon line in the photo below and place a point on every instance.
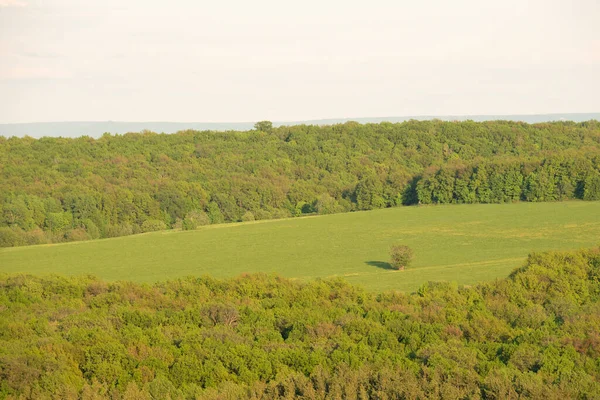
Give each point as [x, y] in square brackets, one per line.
[426, 116]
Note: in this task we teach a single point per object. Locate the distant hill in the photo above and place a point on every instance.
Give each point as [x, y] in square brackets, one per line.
[97, 128]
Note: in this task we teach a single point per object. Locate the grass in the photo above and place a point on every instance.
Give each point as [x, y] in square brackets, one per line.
[460, 243]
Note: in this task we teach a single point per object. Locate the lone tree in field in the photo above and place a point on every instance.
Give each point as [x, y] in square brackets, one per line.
[401, 256]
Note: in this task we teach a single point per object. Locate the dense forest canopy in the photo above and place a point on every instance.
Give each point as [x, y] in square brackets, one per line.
[535, 334]
[56, 189]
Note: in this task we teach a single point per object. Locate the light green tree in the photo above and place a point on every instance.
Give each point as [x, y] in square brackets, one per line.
[264, 126]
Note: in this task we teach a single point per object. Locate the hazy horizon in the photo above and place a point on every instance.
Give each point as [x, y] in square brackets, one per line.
[97, 128]
[326, 118]
[330, 118]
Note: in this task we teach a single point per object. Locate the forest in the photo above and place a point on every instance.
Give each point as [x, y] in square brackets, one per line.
[534, 334]
[57, 189]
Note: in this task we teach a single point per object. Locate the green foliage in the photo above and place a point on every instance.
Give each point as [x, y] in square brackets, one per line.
[91, 228]
[325, 204]
[549, 179]
[401, 256]
[592, 186]
[248, 216]
[214, 213]
[195, 219]
[531, 335]
[151, 225]
[461, 243]
[10, 237]
[264, 126]
[110, 186]
[59, 221]
[123, 229]
[77, 234]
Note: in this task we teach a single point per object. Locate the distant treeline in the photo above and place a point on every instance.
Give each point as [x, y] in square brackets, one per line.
[55, 189]
[532, 335]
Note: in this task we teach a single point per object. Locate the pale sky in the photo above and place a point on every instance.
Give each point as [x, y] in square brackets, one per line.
[229, 61]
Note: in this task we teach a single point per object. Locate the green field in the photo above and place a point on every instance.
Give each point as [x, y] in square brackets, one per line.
[461, 243]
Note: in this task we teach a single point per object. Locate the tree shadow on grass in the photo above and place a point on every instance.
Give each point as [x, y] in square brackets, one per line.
[379, 264]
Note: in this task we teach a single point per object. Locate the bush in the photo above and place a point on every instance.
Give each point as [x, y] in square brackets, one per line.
[91, 228]
[401, 256]
[36, 236]
[248, 216]
[277, 214]
[151, 225]
[325, 204]
[262, 214]
[118, 230]
[10, 237]
[76, 235]
[178, 224]
[188, 225]
[194, 219]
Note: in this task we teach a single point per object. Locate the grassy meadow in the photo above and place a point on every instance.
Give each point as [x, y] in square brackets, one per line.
[459, 243]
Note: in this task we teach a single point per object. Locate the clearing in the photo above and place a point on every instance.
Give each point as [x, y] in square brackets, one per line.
[459, 243]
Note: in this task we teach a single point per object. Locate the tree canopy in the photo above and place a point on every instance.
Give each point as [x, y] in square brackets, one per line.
[401, 256]
[57, 189]
[264, 126]
[532, 335]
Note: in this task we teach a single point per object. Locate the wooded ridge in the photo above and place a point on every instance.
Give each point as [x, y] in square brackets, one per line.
[55, 189]
[534, 334]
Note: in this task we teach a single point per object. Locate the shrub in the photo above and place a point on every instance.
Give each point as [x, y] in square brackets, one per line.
[119, 230]
[248, 216]
[401, 256]
[262, 214]
[178, 224]
[36, 236]
[76, 235]
[91, 228]
[277, 214]
[151, 225]
[325, 204]
[10, 237]
[188, 225]
[194, 219]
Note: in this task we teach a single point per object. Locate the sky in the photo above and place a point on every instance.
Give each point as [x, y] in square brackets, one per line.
[234, 61]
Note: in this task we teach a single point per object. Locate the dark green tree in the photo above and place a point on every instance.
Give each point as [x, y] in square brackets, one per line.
[401, 256]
